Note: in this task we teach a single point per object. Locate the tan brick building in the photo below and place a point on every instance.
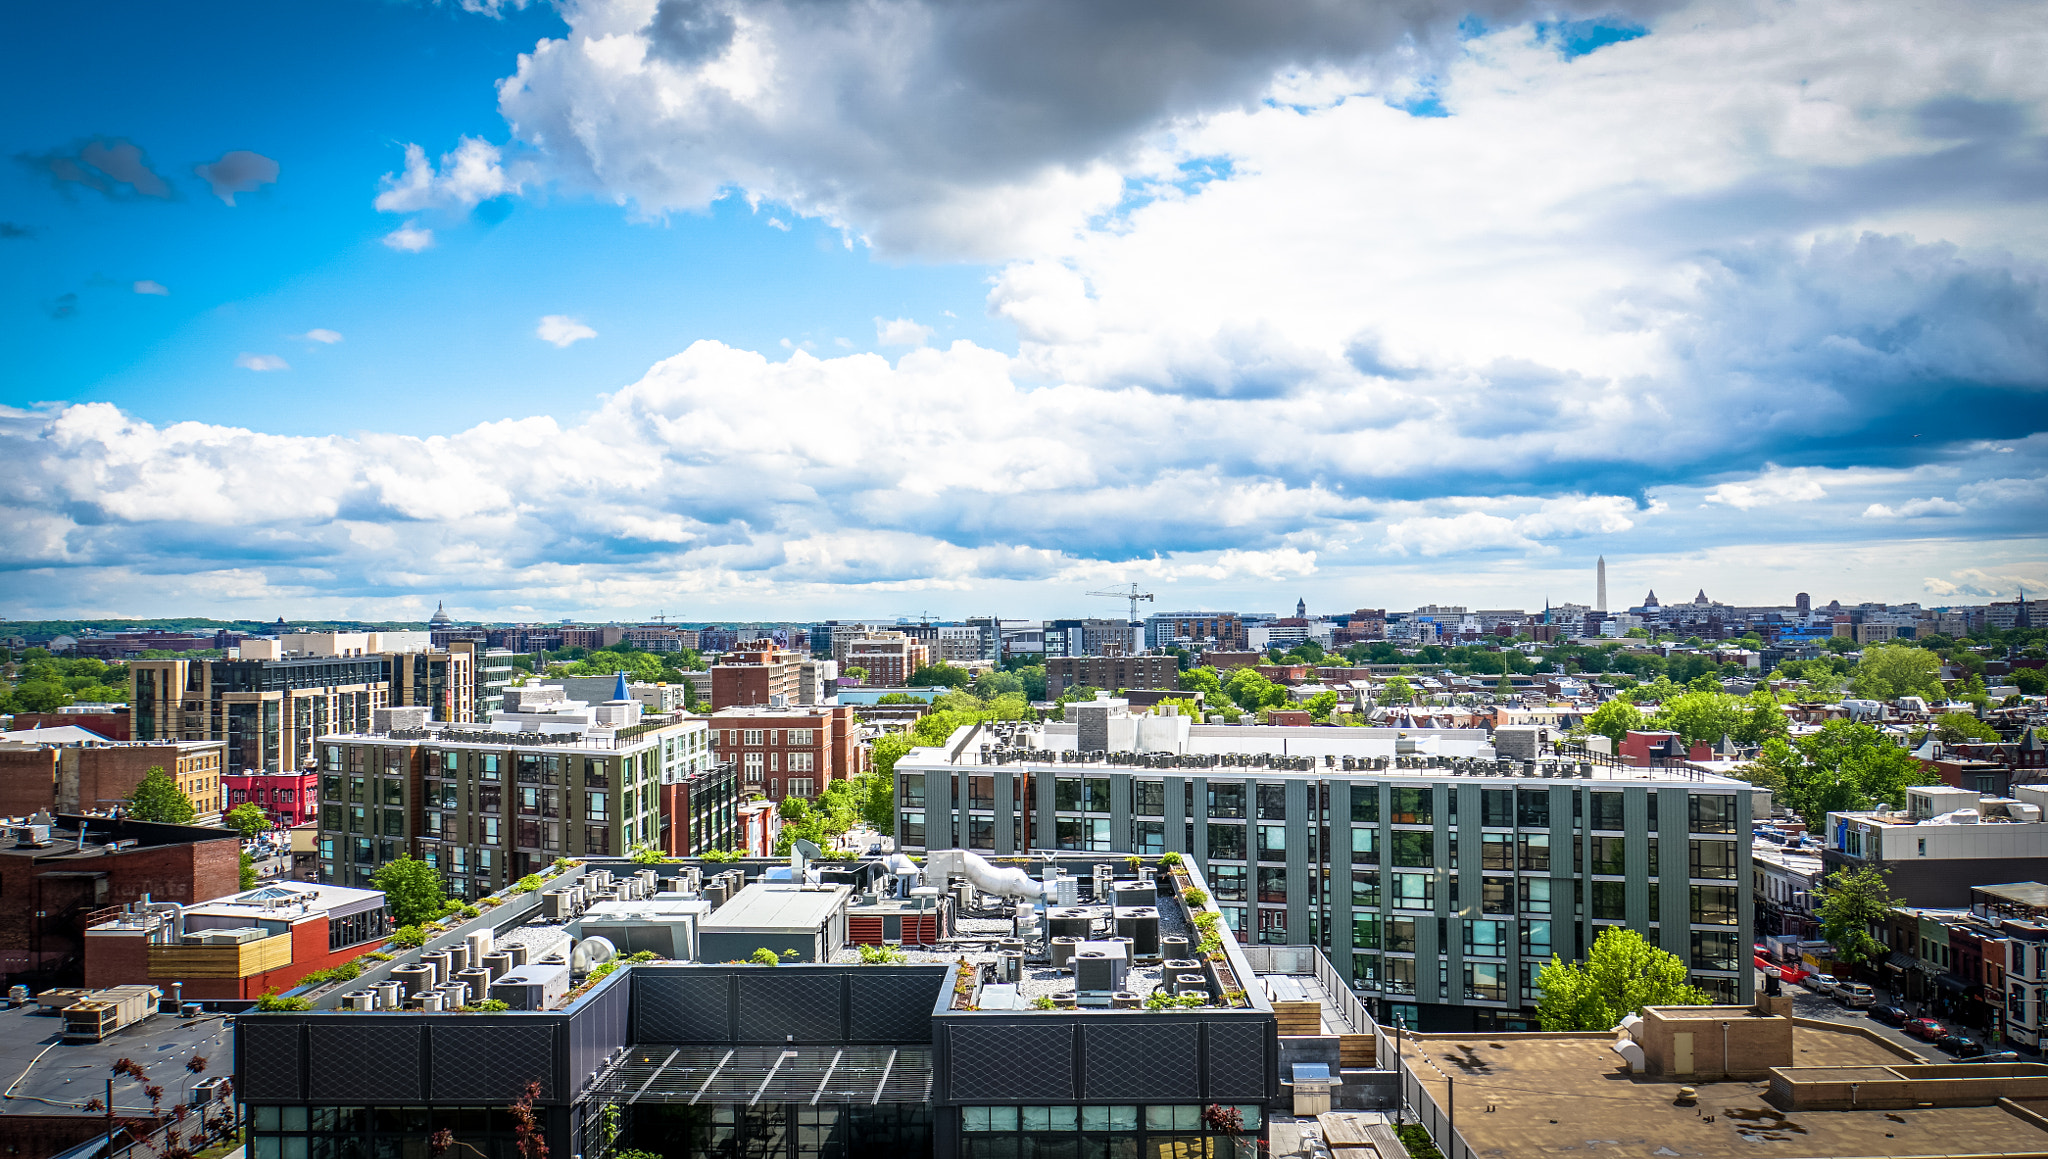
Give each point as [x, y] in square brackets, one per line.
[890, 658]
[1110, 672]
[789, 752]
[756, 672]
[88, 778]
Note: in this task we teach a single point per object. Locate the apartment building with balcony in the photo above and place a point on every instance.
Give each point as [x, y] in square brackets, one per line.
[1440, 877]
[550, 778]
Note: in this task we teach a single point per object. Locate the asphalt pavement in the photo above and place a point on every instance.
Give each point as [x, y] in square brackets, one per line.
[1807, 1004]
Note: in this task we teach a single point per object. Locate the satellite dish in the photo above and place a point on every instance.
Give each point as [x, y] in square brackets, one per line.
[808, 851]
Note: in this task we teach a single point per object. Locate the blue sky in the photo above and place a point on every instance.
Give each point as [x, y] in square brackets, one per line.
[747, 308]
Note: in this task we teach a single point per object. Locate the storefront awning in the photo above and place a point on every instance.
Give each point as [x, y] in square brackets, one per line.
[1899, 960]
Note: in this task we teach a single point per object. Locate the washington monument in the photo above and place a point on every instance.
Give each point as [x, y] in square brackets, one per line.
[1600, 585]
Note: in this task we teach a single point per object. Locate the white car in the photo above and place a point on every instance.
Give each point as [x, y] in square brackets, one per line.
[1855, 995]
[1821, 983]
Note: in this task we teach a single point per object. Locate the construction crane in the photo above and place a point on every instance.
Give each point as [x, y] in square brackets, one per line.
[1134, 595]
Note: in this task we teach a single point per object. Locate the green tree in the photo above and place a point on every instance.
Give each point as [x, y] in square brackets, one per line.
[1699, 717]
[939, 676]
[1184, 706]
[1203, 680]
[1761, 719]
[1397, 690]
[249, 819]
[1252, 691]
[157, 798]
[2030, 681]
[876, 793]
[1615, 720]
[1774, 768]
[1319, 706]
[1960, 727]
[1889, 671]
[1623, 973]
[412, 890]
[248, 870]
[43, 694]
[1851, 901]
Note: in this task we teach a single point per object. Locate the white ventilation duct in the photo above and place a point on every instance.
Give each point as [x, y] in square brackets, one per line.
[951, 864]
[591, 953]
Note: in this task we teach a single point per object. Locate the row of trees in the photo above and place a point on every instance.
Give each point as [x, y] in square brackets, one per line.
[44, 683]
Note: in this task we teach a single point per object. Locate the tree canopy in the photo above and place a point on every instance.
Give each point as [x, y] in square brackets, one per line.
[939, 676]
[157, 797]
[1397, 690]
[1616, 719]
[1851, 901]
[1622, 974]
[249, 819]
[412, 890]
[1845, 766]
[1888, 671]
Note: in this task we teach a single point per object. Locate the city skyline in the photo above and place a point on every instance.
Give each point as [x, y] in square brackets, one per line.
[606, 308]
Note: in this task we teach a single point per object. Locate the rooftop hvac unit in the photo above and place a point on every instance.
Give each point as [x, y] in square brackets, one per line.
[1063, 952]
[497, 964]
[477, 979]
[1066, 889]
[390, 995]
[1013, 966]
[536, 987]
[1068, 923]
[1189, 983]
[1094, 970]
[31, 836]
[1173, 948]
[455, 995]
[479, 944]
[414, 978]
[430, 1001]
[1136, 893]
[1141, 925]
[442, 964]
[557, 905]
[360, 1000]
[518, 952]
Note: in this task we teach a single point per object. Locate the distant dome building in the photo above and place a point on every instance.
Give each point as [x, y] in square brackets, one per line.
[440, 618]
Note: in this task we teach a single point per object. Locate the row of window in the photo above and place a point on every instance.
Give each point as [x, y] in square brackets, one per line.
[1124, 1119]
[1407, 805]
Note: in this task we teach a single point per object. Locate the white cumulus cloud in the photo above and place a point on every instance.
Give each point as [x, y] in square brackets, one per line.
[901, 332]
[146, 286]
[474, 172]
[248, 361]
[409, 238]
[324, 337]
[562, 330]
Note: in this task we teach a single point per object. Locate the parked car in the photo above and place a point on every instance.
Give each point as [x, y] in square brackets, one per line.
[1960, 1045]
[1994, 1056]
[1821, 983]
[1889, 1015]
[1926, 1028]
[1854, 995]
[875, 850]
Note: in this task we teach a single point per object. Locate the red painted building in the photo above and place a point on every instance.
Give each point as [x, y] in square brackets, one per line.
[237, 947]
[290, 798]
[1648, 749]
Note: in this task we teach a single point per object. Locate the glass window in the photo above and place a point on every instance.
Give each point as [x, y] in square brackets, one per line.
[1365, 931]
[1095, 795]
[1485, 981]
[1228, 882]
[1365, 887]
[1412, 806]
[1535, 939]
[1535, 895]
[1226, 800]
[1399, 976]
[1272, 802]
[1714, 905]
[1226, 841]
[1365, 846]
[1066, 794]
[1607, 811]
[1497, 852]
[1610, 855]
[1610, 901]
[1497, 895]
[1272, 843]
[1414, 891]
[1533, 808]
[1413, 848]
[1272, 884]
[1148, 798]
[1401, 935]
[1486, 939]
[1713, 951]
[1497, 808]
[1713, 859]
[1711, 812]
[1655, 871]
[1365, 803]
[1535, 852]
[1151, 837]
[1109, 1118]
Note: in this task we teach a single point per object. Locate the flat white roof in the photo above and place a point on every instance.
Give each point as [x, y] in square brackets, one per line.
[283, 899]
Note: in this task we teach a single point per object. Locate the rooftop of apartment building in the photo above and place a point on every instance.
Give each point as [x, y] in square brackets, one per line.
[52, 1076]
[66, 836]
[539, 716]
[1550, 1093]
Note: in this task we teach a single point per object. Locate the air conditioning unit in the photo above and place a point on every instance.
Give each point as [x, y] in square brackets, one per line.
[31, 836]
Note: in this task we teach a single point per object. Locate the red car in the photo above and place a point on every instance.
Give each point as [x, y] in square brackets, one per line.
[1926, 1028]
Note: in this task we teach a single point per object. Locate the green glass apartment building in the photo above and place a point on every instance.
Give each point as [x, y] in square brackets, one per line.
[1442, 886]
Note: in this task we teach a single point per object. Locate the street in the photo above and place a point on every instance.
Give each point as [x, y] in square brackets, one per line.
[1807, 1004]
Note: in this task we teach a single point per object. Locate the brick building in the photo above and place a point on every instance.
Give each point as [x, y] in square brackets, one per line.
[112, 724]
[1195, 629]
[74, 777]
[290, 798]
[1109, 672]
[789, 752]
[756, 672]
[699, 810]
[51, 890]
[890, 658]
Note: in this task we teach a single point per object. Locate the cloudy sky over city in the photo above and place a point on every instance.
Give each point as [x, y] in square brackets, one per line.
[736, 309]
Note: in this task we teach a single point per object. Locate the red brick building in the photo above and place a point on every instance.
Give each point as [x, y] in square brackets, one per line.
[289, 798]
[112, 725]
[788, 752]
[73, 777]
[50, 892]
[756, 672]
[1647, 749]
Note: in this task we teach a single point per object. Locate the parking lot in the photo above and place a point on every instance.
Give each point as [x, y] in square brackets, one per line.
[1807, 1004]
